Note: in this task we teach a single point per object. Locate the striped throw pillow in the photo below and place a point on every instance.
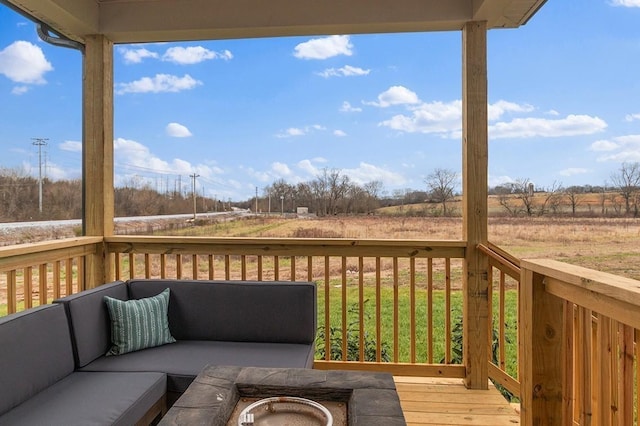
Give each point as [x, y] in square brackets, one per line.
[139, 324]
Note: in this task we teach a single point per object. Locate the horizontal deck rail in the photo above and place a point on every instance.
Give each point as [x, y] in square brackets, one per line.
[391, 301]
[35, 274]
[579, 352]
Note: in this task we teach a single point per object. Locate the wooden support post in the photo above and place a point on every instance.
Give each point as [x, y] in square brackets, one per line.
[475, 209]
[542, 352]
[97, 152]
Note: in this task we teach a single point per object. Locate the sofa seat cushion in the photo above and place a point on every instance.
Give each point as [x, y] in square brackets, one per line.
[183, 360]
[84, 399]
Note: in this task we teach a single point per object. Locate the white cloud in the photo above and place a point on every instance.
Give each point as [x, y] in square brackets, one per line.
[572, 171]
[177, 130]
[346, 71]
[136, 56]
[632, 117]
[498, 109]
[297, 131]
[24, 62]
[281, 169]
[571, 125]
[500, 180]
[133, 158]
[193, 55]
[347, 107]
[603, 145]
[626, 3]
[619, 149]
[553, 112]
[395, 95]
[366, 172]
[309, 165]
[339, 133]
[19, 90]
[323, 48]
[72, 146]
[433, 117]
[160, 83]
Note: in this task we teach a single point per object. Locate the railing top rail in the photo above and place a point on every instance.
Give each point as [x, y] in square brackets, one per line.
[612, 295]
[44, 246]
[285, 241]
[287, 246]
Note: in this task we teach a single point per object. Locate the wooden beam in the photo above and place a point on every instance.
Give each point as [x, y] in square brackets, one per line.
[97, 151]
[541, 353]
[475, 208]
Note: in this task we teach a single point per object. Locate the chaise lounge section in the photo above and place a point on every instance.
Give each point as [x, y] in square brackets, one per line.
[242, 323]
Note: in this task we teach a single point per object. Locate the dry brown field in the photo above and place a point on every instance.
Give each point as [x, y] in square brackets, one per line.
[606, 244]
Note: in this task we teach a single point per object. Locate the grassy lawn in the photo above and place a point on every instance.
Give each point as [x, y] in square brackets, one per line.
[404, 319]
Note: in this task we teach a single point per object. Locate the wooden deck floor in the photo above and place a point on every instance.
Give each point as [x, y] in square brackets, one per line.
[433, 401]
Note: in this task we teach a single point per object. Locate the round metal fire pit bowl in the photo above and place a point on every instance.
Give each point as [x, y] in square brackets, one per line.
[285, 410]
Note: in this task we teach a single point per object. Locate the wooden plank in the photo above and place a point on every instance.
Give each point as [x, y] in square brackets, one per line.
[601, 283]
[401, 369]
[541, 349]
[605, 351]
[620, 310]
[475, 207]
[54, 252]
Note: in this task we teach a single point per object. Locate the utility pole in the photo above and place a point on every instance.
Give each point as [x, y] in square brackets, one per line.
[194, 176]
[215, 203]
[40, 142]
[256, 200]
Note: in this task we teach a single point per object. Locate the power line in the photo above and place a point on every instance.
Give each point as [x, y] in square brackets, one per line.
[40, 142]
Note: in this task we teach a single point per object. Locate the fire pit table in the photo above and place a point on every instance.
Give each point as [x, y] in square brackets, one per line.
[222, 396]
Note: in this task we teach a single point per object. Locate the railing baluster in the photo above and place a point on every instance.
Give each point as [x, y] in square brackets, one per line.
[56, 279]
[27, 283]
[42, 281]
[412, 307]
[243, 266]
[259, 268]
[147, 266]
[69, 276]
[396, 311]
[194, 266]
[163, 266]
[293, 268]
[361, 306]
[276, 268]
[210, 264]
[447, 310]
[309, 268]
[178, 266]
[227, 267]
[327, 318]
[343, 304]
[132, 266]
[378, 311]
[626, 370]
[605, 352]
[430, 311]
[501, 324]
[584, 321]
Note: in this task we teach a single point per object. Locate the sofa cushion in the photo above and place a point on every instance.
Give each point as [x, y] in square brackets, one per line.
[84, 399]
[183, 360]
[89, 320]
[240, 311]
[35, 353]
[138, 324]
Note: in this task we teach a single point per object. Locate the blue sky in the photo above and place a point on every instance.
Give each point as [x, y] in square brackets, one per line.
[564, 104]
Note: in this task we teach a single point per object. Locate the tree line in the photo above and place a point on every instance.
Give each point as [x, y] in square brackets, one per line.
[331, 192]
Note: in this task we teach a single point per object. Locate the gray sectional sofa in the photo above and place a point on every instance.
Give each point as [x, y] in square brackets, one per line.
[55, 372]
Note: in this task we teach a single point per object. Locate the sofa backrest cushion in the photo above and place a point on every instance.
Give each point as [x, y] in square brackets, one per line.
[35, 352]
[89, 319]
[239, 311]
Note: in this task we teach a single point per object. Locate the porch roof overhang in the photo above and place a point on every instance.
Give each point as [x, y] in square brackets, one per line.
[135, 21]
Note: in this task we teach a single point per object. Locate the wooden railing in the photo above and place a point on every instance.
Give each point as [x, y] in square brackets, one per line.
[578, 348]
[393, 300]
[35, 274]
[504, 285]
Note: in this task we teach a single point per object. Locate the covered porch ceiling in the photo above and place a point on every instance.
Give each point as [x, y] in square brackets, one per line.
[134, 21]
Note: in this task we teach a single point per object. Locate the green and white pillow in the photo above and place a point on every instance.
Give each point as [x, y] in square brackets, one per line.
[139, 324]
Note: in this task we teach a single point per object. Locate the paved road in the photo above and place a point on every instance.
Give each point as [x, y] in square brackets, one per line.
[8, 226]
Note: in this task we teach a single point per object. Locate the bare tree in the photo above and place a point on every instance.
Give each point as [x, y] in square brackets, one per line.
[574, 195]
[627, 182]
[441, 184]
[551, 199]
